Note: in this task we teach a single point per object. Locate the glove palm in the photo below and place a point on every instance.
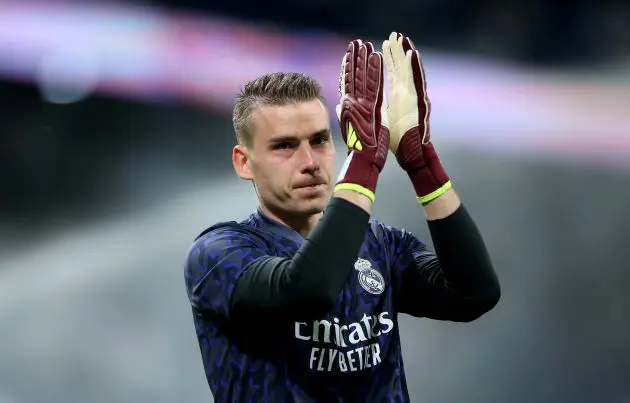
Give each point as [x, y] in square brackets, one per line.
[409, 112]
[362, 118]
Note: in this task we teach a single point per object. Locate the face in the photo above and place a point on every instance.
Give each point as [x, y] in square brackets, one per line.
[291, 159]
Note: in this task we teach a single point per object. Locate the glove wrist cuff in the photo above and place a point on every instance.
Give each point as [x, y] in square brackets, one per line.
[359, 174]
[426, 185]
[427, 175]
[435, 194]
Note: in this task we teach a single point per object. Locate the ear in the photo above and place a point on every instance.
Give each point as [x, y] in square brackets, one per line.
[240, 161]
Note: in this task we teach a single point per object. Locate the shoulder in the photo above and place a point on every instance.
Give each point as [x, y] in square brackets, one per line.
[224, 245]
[230, 234]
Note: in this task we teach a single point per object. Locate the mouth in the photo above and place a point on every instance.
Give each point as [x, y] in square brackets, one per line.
[310, 186]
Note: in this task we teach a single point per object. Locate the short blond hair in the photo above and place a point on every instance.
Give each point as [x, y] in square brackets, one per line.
[271, 89]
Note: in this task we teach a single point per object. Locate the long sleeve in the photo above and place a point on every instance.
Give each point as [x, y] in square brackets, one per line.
[229, 270]
[457, 282]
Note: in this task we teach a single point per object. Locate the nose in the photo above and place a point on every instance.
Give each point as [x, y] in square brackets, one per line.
[308, 160]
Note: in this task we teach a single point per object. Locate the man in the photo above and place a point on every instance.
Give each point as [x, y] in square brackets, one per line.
[299, 302]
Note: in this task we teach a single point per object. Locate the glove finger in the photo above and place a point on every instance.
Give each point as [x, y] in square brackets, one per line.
[387, 56]
[344, 82]
[370, 47]
[381, 118]
[408, 76]
[349, 68]
[424, 105]
[408, 44]
[342, 86]
[374, 82]
[360, 72]
[389, 64]
[419, 76]
[399, 52]
[370, 50]
[374, 89]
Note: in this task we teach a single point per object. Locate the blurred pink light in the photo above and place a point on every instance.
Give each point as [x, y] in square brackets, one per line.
[155, 54]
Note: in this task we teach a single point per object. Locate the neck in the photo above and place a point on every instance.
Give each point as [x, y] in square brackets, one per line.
[302, 224]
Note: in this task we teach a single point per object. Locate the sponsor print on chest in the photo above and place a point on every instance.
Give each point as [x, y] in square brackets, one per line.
[350, 345]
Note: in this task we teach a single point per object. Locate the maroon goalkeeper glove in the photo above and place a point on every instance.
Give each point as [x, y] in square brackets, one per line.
[409, 110]
[362, 118]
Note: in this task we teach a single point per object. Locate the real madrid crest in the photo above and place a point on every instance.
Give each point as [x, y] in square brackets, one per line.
[370, 279]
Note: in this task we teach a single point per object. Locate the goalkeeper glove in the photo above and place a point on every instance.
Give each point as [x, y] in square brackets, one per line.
[362, 118]
[409, 110]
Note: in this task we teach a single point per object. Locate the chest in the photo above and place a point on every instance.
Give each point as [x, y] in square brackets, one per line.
[355, 334]
[370, 286]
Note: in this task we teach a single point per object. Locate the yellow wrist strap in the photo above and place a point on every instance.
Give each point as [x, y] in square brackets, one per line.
[435, 194]
[356, 188]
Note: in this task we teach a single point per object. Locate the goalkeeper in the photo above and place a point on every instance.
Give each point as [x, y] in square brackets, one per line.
[299, 302]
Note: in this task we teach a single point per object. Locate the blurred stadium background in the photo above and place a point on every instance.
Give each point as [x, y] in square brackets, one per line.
[115, 143]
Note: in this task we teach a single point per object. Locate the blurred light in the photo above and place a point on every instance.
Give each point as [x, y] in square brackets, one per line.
[158, 55]
[67, 75]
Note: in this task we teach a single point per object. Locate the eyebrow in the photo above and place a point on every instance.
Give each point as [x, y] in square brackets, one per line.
[289, 138]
